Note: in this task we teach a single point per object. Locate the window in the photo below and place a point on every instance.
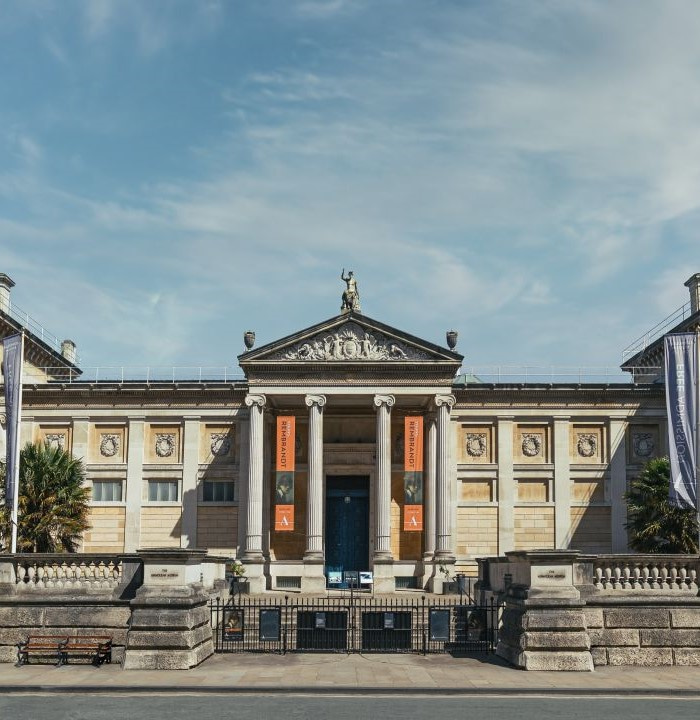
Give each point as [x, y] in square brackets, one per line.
[106, 491]
[218, 491]
[162, 490]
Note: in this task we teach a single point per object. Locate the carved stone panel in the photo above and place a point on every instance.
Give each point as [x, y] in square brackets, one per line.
[55, 437]
[164, 444]
[531, 444]
[351, 342]
[643, 443]
[107, 444]
[217, 443]
[476, 444]
[587, 444]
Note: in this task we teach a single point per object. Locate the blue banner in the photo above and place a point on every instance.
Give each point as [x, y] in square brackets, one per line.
[12, 363]
[681, 366]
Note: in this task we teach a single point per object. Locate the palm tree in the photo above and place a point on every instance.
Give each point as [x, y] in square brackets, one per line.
[655, 525]
[53, 502]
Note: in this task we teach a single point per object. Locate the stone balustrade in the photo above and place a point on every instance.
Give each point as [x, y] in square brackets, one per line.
[645, 572]
[69, 572]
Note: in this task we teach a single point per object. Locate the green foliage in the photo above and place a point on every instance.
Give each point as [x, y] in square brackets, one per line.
[655, 525]
[53, 502]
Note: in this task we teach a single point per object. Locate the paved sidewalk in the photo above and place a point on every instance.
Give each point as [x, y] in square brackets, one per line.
[439, 674]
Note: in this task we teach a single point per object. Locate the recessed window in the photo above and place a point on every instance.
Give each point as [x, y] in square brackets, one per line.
[106, 491]
[162, 490]
[218, 491]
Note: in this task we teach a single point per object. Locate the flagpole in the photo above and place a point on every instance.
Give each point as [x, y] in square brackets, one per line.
[697, 433]
[15, 450]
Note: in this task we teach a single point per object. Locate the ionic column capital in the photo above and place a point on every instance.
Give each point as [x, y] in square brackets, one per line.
[448, 400]
[387, 400]
[311, 400]
[259, 400]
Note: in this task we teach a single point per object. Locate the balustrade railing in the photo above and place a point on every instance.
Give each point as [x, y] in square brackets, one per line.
[646, 572]
[70, 572]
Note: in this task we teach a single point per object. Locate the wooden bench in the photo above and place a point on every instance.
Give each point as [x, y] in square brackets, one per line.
[96, 647]
[42, 646]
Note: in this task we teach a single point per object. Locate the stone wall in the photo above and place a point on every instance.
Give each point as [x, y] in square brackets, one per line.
[649, 633]
[22, 616]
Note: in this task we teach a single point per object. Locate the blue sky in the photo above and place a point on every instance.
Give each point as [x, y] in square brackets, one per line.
[175, 173]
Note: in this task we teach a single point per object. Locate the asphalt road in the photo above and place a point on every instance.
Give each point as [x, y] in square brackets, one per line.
[309, 707]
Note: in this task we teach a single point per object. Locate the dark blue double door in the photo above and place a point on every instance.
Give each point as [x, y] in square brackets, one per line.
[347, 526]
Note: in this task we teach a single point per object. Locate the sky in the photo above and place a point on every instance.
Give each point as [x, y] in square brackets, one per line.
[174, 173]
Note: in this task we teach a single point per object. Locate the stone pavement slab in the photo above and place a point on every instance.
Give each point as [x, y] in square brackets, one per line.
[337, 673]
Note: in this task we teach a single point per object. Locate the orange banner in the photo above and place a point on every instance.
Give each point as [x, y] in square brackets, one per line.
[413, 474]
[412, 518]
[284, 518]
[413, 443]
[284, 477]
[285, 443]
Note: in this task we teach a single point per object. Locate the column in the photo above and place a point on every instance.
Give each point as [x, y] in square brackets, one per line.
[252, 552]
[314, 499]
[382, 545]
[134, 484]
[443, 509]
[190, 475]
[506, 486]
[562, 484]
[618, 484]
[430, 461]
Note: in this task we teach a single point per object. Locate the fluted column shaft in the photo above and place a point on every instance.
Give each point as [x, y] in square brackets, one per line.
[314, 500]
[254, 507]
[443, 548]
[430, 460]
[382, 544]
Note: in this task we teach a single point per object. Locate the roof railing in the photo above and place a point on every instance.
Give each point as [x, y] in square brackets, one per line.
[643, 342]
[538, 374]
[34, 326]
[147, 374]
[500, 374]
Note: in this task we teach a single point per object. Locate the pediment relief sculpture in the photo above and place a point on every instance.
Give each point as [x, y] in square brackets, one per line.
[351, 342]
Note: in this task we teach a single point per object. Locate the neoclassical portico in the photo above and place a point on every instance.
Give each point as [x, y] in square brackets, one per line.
[362, 377]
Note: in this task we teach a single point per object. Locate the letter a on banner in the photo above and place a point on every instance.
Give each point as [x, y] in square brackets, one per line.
[284, 478]
[13, 352]
[413, 474]
[681, 366]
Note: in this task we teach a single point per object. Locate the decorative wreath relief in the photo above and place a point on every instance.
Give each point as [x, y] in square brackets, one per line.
[109, 444]
[165, 444]
[220, 444]
[475, 444]
[643, 444]
[587, 445]
[56, 441]
[532, 444]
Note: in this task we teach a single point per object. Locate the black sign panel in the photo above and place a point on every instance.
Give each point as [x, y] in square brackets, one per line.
[234, 621]
[388, 620]
[439, 624]
[270, 622]
[320, 620]
[351, 578]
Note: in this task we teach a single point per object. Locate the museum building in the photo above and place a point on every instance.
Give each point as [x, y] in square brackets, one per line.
[347, 446]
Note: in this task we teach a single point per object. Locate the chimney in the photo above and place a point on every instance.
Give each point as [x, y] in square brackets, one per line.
[6, 284]
[68, 351]
[693, 284]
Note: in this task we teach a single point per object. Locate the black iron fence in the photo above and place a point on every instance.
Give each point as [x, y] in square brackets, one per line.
[353, 624]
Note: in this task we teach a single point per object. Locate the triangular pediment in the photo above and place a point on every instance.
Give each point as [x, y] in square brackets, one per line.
[350, 339]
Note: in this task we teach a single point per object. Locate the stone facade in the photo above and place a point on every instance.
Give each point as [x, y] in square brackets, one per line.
[507, 466]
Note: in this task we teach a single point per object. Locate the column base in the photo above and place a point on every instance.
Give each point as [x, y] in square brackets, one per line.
[255, 572]
[314, 557]
[313, 579]
[383, 575]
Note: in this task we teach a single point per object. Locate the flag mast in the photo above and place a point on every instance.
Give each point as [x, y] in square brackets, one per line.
[15, 453]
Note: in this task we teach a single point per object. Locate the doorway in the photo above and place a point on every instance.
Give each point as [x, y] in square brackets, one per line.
[347, 526]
